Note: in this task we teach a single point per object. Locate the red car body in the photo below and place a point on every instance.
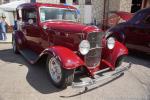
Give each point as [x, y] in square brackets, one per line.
[61, 39]
[135, 32]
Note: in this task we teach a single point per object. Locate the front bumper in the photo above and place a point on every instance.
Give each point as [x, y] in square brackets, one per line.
[112, 74]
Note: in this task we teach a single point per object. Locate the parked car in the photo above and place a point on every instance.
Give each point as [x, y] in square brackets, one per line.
[52, 33]
[135, 32]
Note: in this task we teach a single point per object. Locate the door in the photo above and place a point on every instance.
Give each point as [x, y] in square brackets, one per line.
[138, 33]
[132, 33]
[145, 29]
[30, 29]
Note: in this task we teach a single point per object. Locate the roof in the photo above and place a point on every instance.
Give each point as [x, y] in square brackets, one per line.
[145, 10]
[46, 4]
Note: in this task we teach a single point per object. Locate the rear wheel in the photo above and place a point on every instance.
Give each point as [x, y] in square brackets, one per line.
[15, 46]
[59, 76]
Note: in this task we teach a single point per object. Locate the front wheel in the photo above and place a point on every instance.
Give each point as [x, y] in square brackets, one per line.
[120, 61]
[59, 76]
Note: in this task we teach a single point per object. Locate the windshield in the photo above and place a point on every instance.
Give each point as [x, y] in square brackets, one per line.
[49, 13]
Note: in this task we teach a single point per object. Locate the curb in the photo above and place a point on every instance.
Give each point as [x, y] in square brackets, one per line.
[9, 39]
[3, 42]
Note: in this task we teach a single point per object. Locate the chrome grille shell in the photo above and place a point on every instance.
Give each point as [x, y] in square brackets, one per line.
[92, 59]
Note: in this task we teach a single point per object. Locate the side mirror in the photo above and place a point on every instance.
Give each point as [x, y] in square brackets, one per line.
[30, 21]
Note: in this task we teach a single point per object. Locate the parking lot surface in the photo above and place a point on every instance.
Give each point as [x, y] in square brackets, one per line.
[21, 81]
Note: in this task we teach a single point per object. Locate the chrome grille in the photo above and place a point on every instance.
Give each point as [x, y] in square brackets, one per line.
[93, 58]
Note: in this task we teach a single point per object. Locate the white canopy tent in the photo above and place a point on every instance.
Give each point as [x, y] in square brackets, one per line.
[11, 6]
[9, 10]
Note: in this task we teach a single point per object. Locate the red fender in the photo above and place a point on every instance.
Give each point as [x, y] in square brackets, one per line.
[67, 57]
[111, 56]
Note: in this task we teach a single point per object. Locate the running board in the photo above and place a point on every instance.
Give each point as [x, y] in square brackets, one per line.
[31, 56]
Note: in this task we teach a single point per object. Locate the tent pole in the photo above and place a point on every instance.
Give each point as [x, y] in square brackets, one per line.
[33, 1]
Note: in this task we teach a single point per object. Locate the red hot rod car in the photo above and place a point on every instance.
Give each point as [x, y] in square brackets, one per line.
[52, 33]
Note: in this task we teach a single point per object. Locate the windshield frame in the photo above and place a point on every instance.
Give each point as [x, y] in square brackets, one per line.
[57, 19]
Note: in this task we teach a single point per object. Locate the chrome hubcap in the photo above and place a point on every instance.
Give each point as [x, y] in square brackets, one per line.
[55, 70]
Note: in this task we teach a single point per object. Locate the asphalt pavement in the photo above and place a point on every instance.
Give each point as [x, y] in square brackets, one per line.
[21, 81]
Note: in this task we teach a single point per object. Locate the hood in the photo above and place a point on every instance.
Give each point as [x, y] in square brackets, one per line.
[68, 26]
[118, 27]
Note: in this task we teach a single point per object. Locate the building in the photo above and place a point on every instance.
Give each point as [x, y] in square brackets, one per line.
[93, 11]
[145, 3]
[96, 11]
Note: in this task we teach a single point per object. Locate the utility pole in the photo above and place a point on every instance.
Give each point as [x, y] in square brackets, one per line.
[105, 14]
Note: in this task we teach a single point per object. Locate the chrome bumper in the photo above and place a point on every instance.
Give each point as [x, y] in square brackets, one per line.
[112, 74]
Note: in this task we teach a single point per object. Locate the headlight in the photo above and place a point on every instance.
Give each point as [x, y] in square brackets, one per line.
[110, 43]
[84, 47]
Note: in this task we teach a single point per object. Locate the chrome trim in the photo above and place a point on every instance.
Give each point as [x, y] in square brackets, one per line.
[96, 48]
[113, 74]
[103, 70]
[95, 40]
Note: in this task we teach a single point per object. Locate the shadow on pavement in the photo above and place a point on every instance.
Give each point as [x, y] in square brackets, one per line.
[36, 76]
[139, 58]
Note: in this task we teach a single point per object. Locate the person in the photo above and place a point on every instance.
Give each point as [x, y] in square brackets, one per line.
[1, 32]
[15, 23]
[3, 27]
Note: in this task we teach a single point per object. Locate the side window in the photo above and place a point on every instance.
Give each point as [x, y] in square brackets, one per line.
[19, 14]
[147, 20]
[29, 14]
